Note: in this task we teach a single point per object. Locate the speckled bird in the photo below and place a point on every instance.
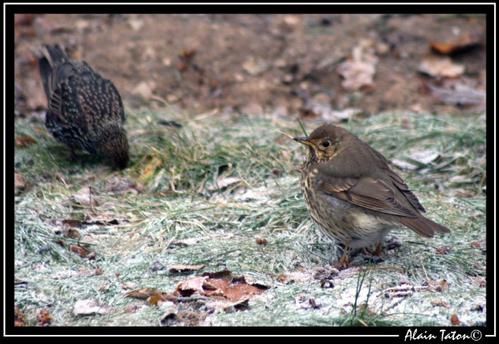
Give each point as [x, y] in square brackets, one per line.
[353, 194]
[85, 111]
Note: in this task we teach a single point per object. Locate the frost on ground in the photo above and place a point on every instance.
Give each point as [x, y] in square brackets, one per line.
[208, 227]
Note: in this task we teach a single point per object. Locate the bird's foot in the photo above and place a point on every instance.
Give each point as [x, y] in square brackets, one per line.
[343, 262]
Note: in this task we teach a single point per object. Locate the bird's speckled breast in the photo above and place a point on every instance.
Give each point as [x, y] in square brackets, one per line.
[340, 220]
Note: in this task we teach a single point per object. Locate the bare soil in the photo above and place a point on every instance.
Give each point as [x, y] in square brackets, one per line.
[256, 63]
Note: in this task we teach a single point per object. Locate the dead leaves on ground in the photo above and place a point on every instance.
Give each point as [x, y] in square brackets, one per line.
[359, 70]
[217, 291]
[441, 67]
[464, 42]
[19, 318]
[24, 141]
[44, 318]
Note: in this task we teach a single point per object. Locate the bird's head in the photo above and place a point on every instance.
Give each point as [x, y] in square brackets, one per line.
[114, 146]
[324, 142]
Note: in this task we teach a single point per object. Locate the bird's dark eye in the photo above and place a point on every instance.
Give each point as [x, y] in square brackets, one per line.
[325, 144]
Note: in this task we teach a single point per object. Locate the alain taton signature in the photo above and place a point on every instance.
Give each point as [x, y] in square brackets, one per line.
[442, 335]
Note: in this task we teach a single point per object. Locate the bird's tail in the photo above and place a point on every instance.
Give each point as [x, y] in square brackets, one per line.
[51, 56]
[424, 226]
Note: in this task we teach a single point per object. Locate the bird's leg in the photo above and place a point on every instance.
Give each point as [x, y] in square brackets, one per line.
[378, 249]
[344, 260]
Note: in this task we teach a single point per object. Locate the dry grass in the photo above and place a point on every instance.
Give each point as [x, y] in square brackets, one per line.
[178, 170]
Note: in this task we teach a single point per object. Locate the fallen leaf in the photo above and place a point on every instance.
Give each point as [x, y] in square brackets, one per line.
[191, 286]
[181, 268]
[102, 219]
[476, 244]
[423, 157]
[19, 182]
[72, 233]
[440, 67]
[261, 241]
[89, 307]
[223, 183]
[438, 285]
[454, 320]
[85, 197]
[462, 43]
[255, 66]
[19, 318]
[155, 298]
[440, 303]
[143, 293]
[44, 318]
[24, 141]
[359, 70]
[82, 251]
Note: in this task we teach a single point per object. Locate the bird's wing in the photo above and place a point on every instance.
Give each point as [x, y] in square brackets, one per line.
[366, 192]
[404, 189]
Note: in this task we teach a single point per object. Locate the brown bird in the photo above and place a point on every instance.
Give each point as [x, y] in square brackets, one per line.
[85, 111]
[353, 195]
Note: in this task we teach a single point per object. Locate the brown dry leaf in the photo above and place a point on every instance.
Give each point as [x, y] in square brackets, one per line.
[438, 285]
[464, 42]
[440, 303]
[85, 197]
[44, 318]
[155, 298]
[82, 251]
[71, 233]
[261, 241]
[19, 318]
[143, 293]
[102, 219]
[234, 290]
[89, 307]
[454, 320]
[191, 286]
[150, 169]
[24, 141]
[440, 67]
[476, 244]
[181, 268]
[19, 182]
[359, 70]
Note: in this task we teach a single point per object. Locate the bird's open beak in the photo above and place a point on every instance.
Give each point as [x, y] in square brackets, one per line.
[303, 140]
